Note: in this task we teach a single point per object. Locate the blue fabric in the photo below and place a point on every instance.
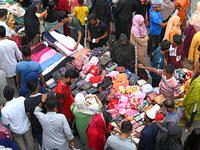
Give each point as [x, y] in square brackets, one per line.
[155, 20]
[148, 137]
[51, 60]
[38, 133]
[24, 91]
[48, 36]
[24, 68]
[8, 144]
[158, 62]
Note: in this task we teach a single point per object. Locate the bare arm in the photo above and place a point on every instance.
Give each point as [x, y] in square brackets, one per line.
[39, 6]
[196, 69]
[59, 25]
[17, 81]
[154, 70]
[89, 35]
[163, 24]
[104, 36]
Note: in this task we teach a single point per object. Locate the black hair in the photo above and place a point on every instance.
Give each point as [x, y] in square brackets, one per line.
[8, 92]
[92, 16]
[51, 5]
[51, 103]
[3, 12]
[195, 76]
[107, 117]
[151, 120]
[80, 2]
[63, 15]
[198, 48]
[126, 127]
[56, 1]
[193, 140]
[71, 73]
[169, 103]
[177, 39]
[32, 85]
[169, 68]
[2, 31]
[26, 50]
[109, 148]
[165, 45]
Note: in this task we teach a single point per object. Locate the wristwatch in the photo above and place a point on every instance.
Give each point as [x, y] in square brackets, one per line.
[41, 102]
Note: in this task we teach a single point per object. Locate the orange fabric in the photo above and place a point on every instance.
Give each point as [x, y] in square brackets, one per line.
[171, 34]
[121, 80]
[43, 14]
[81, 52]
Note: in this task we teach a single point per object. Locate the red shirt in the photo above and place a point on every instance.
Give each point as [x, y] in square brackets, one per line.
[175, 56]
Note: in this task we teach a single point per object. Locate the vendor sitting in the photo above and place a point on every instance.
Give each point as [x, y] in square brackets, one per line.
[168, 86]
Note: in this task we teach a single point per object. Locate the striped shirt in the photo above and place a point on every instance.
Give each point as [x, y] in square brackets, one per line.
[168, 87]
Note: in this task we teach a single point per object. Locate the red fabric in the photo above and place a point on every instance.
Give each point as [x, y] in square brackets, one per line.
[179, 53]
[67, 101]
[159, 117]
[94, 70]
[97, 131]
[112, 103]
[17, 41]
[95, 79]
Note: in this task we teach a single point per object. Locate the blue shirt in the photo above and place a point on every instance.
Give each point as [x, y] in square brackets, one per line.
[148, 137]
[24, 68]
[157, 62]
[155, 20]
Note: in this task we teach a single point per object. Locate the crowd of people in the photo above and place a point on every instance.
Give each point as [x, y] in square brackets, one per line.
[49, 118]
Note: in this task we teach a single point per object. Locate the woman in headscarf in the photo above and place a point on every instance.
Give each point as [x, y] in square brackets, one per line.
[166, 11]
[52, 17]
[192, 142]
[192, 102]
[82, 110]
[32, 25]
[139, 37]
[98, 128]
[193, 27]
[173, 27]
[24, 91]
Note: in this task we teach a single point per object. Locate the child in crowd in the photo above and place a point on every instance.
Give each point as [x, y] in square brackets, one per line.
[169, 86]
[176, 53]
[158, 61]
[81, 12]
[156, 26]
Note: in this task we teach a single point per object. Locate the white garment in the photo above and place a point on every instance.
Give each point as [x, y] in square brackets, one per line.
[8, 32]
[8, 53]
[14, 114]
[56, 130]
[195, 107]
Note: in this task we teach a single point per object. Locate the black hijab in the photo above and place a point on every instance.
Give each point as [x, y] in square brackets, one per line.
[31, 23]
[52, 14]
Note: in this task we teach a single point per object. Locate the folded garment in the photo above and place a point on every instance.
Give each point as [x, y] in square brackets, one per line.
[48, 36]
[52, 60]
[36, 57]
[47, 55]
[81, 52]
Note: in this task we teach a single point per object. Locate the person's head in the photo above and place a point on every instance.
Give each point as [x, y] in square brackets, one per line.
[198, 6]
[168, 70]
[80, 102]
[80, 2]
[149, 116]
[177, 40]
[33, 86]
[93, 19]
[126, 127]
[169, 105]
[63, 16]
[107, 117]
[51, 103]
[138, 20]
[56, 1]
[8, 93]
[192, 142]
[110, 43]
[51, 5]
[2, 32]
[70, 76]
[26, 50]
[123, 38]
[157, 7]
[165, 45]
[3, 14]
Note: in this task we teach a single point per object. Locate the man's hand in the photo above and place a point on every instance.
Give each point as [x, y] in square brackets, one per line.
[44, 97]
[191, 61]
[75, 47]
[89, 38]
[51, 30]
[18, 87]
[187, 67]
[1, 106]
[140, 66]
[171, 96]
[158, 123]
[71, 143]
[161, 112]
[21, 1]
[97, 40]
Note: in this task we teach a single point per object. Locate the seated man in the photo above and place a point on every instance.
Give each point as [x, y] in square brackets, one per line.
[169, 86]
[123, 141]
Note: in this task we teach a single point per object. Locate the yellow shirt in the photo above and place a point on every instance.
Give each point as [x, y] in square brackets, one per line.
[81, 13]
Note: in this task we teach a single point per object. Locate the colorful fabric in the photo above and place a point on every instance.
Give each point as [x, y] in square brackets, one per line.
[47, 56]
[36, 57]
[195, 18]
[192, 97]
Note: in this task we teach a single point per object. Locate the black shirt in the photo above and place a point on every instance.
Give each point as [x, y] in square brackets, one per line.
[30, 103]
[98, 31]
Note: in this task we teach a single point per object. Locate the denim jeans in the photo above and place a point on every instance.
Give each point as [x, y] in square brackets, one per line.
[38, 133]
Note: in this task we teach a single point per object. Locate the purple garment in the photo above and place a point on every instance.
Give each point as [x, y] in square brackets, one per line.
[38, 48]
[189, 33]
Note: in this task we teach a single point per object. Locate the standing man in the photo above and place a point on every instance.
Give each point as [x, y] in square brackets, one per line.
[96, 32]
[25, 67]
[13, 114]
[149, 133]
[77, 31]
[64, 94]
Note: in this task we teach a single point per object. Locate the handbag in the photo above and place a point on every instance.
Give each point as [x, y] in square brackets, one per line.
[121, 69]
[101, 96]
[86, 86]
[147, 88]
[92, 90]
[98, 51]
[94, 70]
[159, 99]
[95, 79]
[133, 79]
[56, 76]
[62, 71]
[128, 73]
[111, 66]
[84, 93]
[104, 60]
[77, 63]
[75, 91]
[141, 82]
[73, 86]
[80, 83]
[69, 66]
[151, 97]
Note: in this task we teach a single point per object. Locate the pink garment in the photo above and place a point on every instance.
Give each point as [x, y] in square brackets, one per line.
[36, 57]
[46, 56]
[136, 29]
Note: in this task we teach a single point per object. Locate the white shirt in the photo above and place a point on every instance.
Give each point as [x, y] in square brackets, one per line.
[14, 114]
[8, 32]
[56, 130]
[8, 53]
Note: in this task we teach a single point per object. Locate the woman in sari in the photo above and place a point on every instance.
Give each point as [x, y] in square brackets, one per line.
[192, 28]
[98, 128]
[192, 102]
[173, 27]
[139, 37]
